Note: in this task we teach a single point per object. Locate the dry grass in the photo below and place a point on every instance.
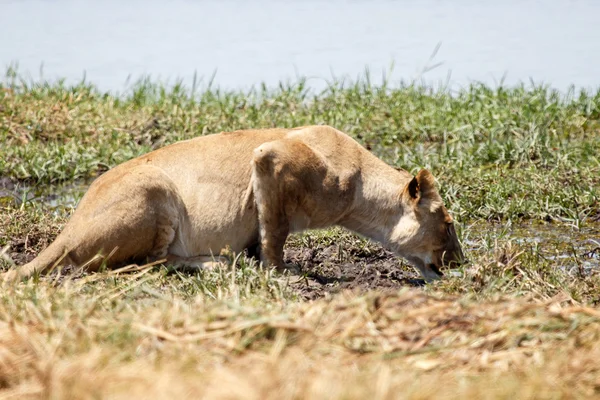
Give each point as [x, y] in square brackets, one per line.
[110, 336]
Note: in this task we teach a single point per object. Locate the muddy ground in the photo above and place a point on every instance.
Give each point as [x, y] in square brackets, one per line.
[329, 269]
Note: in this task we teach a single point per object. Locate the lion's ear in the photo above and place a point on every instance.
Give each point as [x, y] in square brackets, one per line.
[421, 186]
[412, 189]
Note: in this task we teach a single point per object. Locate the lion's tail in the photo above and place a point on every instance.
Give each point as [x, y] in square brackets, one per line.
[53, 255]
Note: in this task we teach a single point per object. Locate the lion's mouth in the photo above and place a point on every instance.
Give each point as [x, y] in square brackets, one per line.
[435, 269]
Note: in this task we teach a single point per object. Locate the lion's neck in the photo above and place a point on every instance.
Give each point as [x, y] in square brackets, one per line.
[377, 208]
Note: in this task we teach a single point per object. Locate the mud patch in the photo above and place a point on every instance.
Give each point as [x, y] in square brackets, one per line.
[328, 269]
[25, 234]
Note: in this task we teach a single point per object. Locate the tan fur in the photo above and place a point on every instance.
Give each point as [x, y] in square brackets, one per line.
[192, 199]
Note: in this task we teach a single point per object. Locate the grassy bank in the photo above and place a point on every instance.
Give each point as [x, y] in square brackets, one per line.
[518, 168]
[491, 149]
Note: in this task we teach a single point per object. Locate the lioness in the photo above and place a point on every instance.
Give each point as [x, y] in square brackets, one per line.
[189, 200]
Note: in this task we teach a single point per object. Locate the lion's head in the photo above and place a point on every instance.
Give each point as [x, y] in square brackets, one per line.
[425, 233]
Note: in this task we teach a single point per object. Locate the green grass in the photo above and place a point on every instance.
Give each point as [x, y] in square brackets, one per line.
[498, 153]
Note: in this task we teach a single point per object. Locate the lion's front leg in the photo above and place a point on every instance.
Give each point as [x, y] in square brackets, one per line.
[270, 192]
[288, 188]
[273, 225]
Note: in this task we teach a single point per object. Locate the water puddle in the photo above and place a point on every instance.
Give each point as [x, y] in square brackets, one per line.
[573, 249]
[59, 198]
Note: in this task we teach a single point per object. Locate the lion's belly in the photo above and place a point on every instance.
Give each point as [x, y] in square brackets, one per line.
[215, 218]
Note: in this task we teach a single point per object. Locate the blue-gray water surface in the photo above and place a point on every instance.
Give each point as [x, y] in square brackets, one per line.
[248, 42]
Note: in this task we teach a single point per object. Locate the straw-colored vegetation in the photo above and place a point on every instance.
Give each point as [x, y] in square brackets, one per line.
[518, 168]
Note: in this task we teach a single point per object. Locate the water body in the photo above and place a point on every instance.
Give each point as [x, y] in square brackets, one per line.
[248, 42]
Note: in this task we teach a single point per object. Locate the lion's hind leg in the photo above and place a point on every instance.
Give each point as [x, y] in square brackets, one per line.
[126, 216]
[139, 225]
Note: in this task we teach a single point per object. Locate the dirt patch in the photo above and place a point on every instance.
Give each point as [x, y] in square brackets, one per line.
[329, 269]
[26, 233]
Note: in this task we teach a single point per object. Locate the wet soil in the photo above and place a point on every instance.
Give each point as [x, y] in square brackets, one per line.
[58, 197]
[330, 269]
